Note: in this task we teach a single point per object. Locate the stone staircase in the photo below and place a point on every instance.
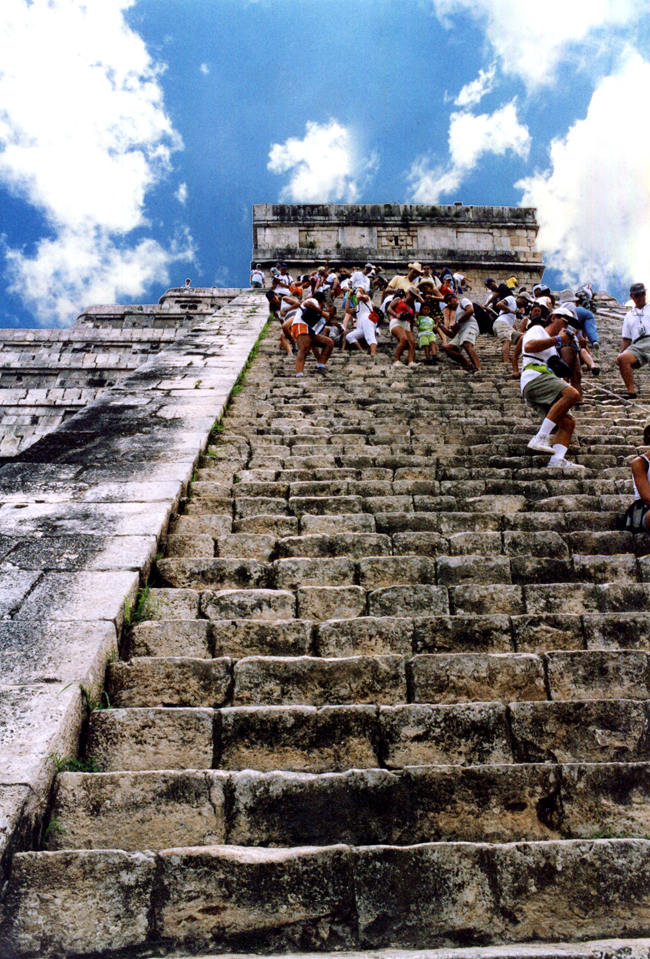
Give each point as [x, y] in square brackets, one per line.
[390, 690]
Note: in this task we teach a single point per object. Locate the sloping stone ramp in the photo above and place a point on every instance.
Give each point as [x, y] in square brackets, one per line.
[390, 690]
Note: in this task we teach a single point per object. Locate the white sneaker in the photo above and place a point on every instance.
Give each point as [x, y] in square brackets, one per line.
[397, 363]
[542, 444]
[567, 465]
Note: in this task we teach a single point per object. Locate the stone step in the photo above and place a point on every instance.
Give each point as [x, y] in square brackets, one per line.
[499, 803]
[335, 738]
[342, 897]
[382, 679]
[370, 635]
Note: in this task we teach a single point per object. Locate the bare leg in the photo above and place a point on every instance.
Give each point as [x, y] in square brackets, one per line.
[515, 358]
[454, 354]
[400, 336]
[411, 345]
[567, 398]
[565, 428]
[473, 355]
[304, 346]
[627, 362]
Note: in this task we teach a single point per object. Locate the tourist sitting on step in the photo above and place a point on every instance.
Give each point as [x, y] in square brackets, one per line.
[635, 338]
[637, 515]
[545, 391]
[366, 323]
[307, 326]
[463, 332]
[507, 326]
[401, 317]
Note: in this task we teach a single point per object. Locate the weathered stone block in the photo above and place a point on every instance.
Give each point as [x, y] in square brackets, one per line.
[244, 637]
[298, 738]
[440, 735]
[466, 677]
[595, 731]
[330, 602]
[260, 604]
[138, 810]
[366, 635]
[276, 681]
[151, 738]
[225, 896]
[298, 571]
[169, 681]
[408, 600]
[78, 902]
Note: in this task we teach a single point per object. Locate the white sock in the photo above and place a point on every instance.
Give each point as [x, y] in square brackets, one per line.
[300, 374]
[320, 366]
[546, 428]
[559, 454]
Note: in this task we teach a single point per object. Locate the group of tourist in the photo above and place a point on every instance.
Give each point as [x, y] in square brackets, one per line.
[555, 336]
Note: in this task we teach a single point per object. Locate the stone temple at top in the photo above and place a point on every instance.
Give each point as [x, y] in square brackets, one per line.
[480, 241]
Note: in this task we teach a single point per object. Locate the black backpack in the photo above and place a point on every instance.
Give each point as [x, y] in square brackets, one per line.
[484, 320]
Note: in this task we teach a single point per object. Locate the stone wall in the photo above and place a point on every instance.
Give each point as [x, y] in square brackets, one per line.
[83, 505]
[46, 376]
[480, 241]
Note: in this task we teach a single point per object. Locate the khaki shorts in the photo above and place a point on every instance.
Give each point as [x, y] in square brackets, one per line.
[640, 350]
[503, 331]
[542, 392]
[467, 334]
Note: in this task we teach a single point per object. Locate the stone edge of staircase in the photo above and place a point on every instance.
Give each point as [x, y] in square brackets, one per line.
[111, 476]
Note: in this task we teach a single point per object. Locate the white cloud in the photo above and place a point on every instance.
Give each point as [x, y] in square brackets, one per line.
[472, 93]
[470, 137]
[593, 204]
[181, 194]
[324, 166]
[84, 267]
[204, 68]
[531, 39]
[83, 137]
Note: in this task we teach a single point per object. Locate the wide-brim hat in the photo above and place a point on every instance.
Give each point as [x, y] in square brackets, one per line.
[415, 266]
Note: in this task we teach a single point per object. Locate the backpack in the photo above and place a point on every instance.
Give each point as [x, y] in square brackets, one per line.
[483, 319]
[632, 520]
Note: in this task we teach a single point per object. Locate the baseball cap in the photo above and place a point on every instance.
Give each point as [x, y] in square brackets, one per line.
[488, 281]
[564, 313]
[637, 289]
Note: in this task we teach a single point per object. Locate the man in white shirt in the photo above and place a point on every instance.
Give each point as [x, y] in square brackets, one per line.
[635, 338]
[361, 279]
[464, 332]
[257, 277]
[546, 392]
[504, 326]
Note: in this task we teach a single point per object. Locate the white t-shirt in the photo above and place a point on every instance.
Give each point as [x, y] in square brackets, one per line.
[360, 279]
[511, 303]
[534, 333]
[637, 323]
[363, 310]
[257, 276]
[331, 279]
[462, 306]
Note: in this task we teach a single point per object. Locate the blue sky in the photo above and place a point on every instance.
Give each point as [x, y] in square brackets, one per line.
[135, 135]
